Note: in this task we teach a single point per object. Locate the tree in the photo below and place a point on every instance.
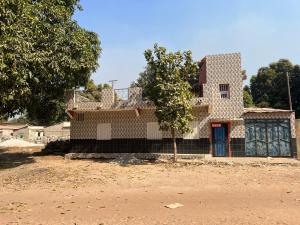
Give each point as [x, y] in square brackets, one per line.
[248, 100]
[93, 91]
[269, 86]
[170, 90]
[43, 53]
[144, 81]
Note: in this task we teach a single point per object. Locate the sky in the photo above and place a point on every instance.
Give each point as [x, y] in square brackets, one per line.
[263, 31]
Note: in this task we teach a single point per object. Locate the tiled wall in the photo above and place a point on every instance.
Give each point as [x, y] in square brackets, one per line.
[224, 69]
[126, 124]
[220, 69]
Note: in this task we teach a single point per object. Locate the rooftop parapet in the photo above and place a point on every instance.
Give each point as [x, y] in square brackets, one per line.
[126, 98]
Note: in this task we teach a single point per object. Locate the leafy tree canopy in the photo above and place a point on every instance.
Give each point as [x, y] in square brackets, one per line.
[93, 91]
[248, 100]
[169, 88]
[43, 53]
[269, 86]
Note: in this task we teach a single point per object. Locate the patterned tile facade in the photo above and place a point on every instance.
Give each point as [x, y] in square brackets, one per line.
[129, 118]
[220, 69]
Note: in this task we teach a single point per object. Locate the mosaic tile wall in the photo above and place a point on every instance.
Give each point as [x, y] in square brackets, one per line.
[125, 124]
[220, 69]
[224, 69]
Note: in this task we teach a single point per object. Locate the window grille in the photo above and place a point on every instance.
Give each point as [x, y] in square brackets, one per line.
[224, 90]
[79, 116]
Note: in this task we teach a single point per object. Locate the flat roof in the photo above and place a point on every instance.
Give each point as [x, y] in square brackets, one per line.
[264, 110]
[12, 126]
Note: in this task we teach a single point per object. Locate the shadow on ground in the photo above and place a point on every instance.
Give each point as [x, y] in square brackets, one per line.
[125, 161]
[14, 159]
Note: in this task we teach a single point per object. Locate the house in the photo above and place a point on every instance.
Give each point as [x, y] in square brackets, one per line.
[30, 133]
[8, 129]
[58, 131]
[221, 125]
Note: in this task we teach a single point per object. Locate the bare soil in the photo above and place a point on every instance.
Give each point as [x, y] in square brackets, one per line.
[52, 190]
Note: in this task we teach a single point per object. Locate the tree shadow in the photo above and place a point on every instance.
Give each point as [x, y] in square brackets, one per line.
[125, 163]
[10, 160]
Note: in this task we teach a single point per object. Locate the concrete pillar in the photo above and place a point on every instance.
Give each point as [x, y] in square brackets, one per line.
[298, 138]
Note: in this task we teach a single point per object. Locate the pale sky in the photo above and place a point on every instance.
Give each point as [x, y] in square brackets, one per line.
[263, 31]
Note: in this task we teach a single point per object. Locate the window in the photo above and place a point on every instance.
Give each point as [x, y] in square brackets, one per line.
[104, 131]
[224, 90]
[79, 116]
[153, 132]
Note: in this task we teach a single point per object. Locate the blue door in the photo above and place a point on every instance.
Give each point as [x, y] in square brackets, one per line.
[219, 141]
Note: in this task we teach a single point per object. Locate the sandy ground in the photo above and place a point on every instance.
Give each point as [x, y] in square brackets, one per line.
[52, 190]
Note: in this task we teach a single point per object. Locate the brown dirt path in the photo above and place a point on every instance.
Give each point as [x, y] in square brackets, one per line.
[51, 190]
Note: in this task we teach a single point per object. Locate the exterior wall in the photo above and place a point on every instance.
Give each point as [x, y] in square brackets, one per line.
[129, 134]
[129, 131]
[126, 125]
[58, 130]
[5, 132]
[22, 133]
[33, 134]
[224, 69]
[29, 133]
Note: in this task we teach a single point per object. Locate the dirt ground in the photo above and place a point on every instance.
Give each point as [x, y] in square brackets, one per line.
[52, 190]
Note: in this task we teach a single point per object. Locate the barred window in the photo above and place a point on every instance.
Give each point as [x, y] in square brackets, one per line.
[79, 116]
[224, 90]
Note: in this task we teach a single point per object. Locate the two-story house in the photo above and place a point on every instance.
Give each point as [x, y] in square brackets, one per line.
[221, 125]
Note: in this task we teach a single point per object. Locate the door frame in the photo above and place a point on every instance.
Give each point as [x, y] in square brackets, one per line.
[228, 147]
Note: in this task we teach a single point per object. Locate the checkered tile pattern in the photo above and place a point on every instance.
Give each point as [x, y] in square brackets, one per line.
[220, 69]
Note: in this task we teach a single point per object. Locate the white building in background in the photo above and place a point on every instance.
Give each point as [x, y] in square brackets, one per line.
[58, 131]
[7, 129]
[30, 133]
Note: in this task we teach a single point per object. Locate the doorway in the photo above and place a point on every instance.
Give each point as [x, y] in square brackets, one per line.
[220, 139]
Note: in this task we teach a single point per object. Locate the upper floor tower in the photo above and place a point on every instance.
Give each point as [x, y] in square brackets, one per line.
[221, 83]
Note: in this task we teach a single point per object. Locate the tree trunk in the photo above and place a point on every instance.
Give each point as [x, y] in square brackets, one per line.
[174, 145]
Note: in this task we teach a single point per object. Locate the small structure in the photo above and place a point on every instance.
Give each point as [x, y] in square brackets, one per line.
[58, 131]
[30, 133]
[7, 129]
[221, 125]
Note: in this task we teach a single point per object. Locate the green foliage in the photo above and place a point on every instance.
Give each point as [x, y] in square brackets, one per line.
[169, 88]
[43, 53]
[144, 81]
[269, 86]
[93, 91]
[248, 100]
